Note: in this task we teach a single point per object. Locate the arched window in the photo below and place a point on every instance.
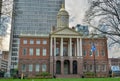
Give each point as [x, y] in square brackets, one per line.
[66, 67]
[74, 67]
[58, 67]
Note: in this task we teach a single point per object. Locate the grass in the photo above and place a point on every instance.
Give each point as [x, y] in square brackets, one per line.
[70, 79]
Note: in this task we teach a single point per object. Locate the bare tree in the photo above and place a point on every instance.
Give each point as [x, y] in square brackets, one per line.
[1, 39]
[104, 16]
[6, 7]
[5, 16]
[0, 6]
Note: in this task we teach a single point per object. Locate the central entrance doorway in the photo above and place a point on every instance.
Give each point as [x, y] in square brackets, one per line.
[66, 67]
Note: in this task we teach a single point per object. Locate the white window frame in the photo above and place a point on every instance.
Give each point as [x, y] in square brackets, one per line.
[44, 51]
[31, 41]
[24, 41]
[44, 41]
[44, 67]
[23, 51]
[30, 68]
[103, 52]
[37, 41]
[91, 53]
[37, 51]
[37, 67]
[31, 51]
[23, 67]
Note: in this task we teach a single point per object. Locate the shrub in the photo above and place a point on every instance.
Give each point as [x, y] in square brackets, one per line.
[89, 74]
[45, 74]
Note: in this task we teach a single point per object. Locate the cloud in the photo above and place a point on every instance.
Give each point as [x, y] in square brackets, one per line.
[76, 9]
[6, 39]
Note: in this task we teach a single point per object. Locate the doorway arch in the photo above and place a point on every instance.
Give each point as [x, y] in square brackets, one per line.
[66, 67]
[58, 67]
[74, 67]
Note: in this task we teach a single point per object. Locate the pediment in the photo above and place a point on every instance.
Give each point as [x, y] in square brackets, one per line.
[66, 31]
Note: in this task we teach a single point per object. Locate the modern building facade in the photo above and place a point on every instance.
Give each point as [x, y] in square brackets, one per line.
[82, 29]
[5, 54]
[31, 17]
[65, 54]
[4, 61]
[3, 65]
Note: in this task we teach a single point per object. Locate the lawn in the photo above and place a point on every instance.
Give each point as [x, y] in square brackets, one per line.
[70, 79]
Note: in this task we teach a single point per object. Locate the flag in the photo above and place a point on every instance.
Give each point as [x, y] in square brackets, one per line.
[93, 48]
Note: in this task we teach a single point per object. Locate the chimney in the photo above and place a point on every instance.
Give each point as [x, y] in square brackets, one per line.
[53, 28]
[73, 27]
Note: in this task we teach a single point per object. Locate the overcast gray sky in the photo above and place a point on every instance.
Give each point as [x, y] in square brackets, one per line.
[76, 9]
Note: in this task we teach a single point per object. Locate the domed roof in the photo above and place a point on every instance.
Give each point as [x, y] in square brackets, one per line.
[62, 11]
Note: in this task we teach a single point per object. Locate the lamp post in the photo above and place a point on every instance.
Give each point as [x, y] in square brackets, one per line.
[93, 53]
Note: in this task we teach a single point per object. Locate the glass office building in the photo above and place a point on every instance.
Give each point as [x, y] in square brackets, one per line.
[31, 17]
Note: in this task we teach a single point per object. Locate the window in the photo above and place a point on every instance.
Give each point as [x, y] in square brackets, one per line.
[23, 67]
[37, 52]
[90, 53]
[102, 52]
[85, 67]
[24, 51]
[31, 41]
[44, 42]
[37, 41]
[103, 67]
[96, 53]
[65, 51]
[97, 68]
[24, 41]
[37, 68]
[44, 51]
[57, 51]
[30, 68]
[84, 53]
[31, 51]
[44, 68]
[91, 67]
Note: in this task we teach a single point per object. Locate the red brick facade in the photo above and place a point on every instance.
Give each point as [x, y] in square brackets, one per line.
[34, 59]
[85, 63]
[95, 61]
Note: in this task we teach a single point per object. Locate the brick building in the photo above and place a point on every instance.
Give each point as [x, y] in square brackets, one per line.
[114, 62]
[64, 53]
[95, 61]
[33, 55]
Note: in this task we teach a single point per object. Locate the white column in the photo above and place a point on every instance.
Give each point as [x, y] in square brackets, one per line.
[70, 47]
[54, 46]
[61, 47]
[80, 46]
[77, 47]
[51, 46]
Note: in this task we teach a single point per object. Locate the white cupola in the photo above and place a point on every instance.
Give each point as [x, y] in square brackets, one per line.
[62, 18]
